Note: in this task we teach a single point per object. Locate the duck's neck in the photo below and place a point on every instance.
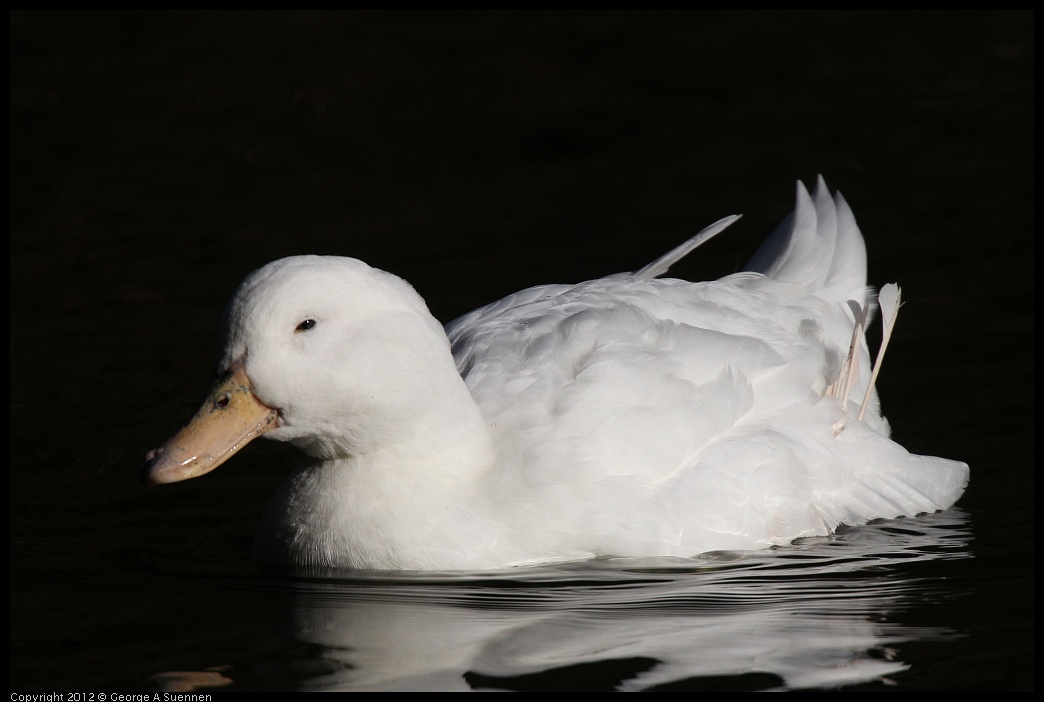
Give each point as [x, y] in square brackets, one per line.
[410, 504]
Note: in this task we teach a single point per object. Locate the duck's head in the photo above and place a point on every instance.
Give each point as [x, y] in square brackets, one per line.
[325, 352]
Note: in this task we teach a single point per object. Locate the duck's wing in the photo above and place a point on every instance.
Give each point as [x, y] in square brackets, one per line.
[704, 404]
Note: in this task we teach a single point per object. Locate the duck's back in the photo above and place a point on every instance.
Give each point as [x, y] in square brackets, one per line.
[651, 413]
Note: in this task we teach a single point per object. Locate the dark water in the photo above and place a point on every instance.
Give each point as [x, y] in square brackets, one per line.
[158, 158]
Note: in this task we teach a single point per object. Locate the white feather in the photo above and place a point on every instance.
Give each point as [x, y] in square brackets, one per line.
[889, 302]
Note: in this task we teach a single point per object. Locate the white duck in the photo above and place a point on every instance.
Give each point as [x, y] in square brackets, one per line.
[624, 416]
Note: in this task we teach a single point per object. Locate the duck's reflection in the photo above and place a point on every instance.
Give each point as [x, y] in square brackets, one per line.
[825, 613]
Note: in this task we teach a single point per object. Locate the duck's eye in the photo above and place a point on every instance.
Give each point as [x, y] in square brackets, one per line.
[305, 325]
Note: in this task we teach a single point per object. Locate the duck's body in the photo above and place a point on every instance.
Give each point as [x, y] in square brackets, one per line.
[626, 416]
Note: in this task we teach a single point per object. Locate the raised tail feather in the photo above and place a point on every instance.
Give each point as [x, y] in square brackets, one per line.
[818, 246]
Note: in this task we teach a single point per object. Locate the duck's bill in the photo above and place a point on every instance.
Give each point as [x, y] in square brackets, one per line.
[230, 418]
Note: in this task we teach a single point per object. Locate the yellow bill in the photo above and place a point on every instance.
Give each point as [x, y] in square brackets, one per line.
[230, 418]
